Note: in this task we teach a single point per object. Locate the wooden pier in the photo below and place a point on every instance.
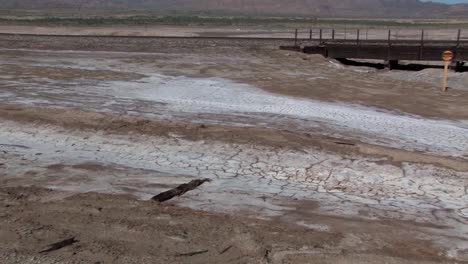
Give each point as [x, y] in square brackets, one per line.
[389, 50]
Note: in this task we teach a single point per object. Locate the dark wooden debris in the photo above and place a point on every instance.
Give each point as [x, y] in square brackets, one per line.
[179, 190]
[14, 146]
[225, 250]
[189, 254]
[345, 143]
[59, 245]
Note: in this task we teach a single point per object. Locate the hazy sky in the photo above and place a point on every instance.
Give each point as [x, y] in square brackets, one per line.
[450, 1]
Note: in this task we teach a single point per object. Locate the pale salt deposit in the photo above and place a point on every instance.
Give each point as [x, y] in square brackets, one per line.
[183, 95]
[158, 95]
[216, 95]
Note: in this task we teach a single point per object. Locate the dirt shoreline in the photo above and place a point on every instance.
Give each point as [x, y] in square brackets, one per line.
[119, 229]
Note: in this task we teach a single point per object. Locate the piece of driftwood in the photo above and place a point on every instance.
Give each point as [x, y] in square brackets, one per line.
[225, 250]
[345, 143]
[189, 254]
[179, 190]
[59, 245]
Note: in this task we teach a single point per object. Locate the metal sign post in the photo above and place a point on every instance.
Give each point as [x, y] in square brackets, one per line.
[447, 56]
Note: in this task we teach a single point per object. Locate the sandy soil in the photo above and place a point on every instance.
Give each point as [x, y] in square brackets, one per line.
[310, 161]
[259, 31]
[119, 229]
[455, 80]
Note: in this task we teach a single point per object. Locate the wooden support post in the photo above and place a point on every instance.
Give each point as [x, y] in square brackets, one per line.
[333, 34]
[357, 41]
[421, 48]
[389, 44]
[310, 34]
[321, 36]
[447, 57]
[444, 81]
[295, 38]
[389, 37]
[458, 38]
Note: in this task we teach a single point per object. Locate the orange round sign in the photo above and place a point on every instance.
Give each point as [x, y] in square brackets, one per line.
[447, 55]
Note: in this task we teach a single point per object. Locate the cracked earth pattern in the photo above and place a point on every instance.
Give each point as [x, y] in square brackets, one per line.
[265, 181]
[243, 174]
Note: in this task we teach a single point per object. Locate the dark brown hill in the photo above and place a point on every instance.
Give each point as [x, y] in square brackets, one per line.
[352, 8]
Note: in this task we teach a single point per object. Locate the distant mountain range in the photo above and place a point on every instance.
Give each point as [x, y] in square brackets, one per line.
[339, 8]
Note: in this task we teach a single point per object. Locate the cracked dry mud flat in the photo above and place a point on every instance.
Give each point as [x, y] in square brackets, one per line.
[244, 175]
[256, 180]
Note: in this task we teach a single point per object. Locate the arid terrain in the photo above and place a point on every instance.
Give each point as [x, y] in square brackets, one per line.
[310, 161]
[349, 8]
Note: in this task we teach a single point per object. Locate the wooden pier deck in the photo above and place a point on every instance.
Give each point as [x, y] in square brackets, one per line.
[389, 50]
